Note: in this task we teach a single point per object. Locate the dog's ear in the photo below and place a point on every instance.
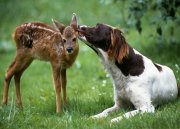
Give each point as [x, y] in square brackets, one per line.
[58, 25]
[118, 48]
[74, 23]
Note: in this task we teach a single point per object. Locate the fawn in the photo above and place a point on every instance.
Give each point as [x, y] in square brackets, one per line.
[36, 40]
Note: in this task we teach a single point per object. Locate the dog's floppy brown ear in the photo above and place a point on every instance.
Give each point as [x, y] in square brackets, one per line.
[118, 48]
[58, 25]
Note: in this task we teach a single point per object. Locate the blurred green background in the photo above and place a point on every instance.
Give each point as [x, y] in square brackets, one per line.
[152, 27]
[157, 21]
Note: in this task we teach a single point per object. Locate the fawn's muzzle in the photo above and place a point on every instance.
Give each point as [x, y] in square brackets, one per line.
[69, 50]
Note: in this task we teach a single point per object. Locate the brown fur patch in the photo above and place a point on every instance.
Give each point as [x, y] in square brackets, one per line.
[132, 65]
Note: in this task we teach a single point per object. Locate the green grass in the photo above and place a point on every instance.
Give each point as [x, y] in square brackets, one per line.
[87, 95]
[89, 89]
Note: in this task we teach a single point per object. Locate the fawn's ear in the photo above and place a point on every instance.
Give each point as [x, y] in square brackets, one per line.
[74, 22]
[58, 25]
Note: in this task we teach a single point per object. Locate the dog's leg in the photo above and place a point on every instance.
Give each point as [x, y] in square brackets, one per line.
[149, 109]
[106, 112]
[140, 99]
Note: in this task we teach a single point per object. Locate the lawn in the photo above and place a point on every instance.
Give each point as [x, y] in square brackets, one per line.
[89, 87]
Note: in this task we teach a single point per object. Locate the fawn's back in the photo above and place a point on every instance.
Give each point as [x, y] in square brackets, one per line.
[38, 41]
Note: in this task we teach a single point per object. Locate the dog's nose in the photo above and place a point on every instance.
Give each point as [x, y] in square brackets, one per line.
[83, 28]
[69, 50]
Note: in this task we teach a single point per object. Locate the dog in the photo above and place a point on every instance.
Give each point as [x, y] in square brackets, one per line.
[136, 79]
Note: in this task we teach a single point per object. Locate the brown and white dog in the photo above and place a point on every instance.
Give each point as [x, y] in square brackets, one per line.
[136, 79]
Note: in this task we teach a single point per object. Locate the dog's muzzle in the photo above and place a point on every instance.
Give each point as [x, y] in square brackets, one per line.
[80, 33]
[83, 38]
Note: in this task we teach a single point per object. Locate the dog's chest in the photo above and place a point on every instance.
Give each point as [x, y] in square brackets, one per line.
[119, 80]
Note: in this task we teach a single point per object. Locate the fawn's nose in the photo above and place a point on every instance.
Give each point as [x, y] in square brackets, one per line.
[69, 50]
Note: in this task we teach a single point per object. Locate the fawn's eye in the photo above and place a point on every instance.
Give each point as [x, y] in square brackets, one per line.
[64, 40]
[74, 39]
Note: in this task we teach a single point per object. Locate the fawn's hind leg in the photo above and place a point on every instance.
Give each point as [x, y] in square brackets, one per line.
[8, 76]
[17, 77]
[15, 69]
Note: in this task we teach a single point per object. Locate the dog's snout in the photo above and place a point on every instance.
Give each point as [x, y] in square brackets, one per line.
[82, 27]
[69, 50]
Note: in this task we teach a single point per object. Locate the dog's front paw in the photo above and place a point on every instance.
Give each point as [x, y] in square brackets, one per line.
[99, 116]
[115, 120]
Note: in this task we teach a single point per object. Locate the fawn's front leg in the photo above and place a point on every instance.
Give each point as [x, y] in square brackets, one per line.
[57, 85]
[63, 83]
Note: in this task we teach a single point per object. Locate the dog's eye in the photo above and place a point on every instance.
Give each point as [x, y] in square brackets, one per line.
[64, 40]
[74, 39]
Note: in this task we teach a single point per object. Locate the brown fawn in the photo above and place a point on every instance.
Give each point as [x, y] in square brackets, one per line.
[36, 40]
